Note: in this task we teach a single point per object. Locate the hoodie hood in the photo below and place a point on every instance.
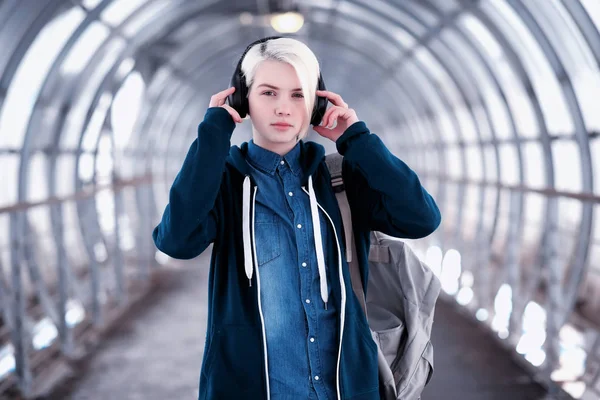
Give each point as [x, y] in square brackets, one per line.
[311, 155]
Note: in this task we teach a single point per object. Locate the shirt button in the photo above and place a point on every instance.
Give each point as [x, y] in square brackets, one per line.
[299, 226]
[291, 194]
[312, 339]
[282, 162]
[307, 301]
[316, 377]
[304, 264]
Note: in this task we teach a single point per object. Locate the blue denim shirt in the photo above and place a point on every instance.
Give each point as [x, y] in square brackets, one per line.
[302, 336]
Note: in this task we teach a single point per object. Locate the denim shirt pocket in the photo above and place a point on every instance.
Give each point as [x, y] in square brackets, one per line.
[267, 230]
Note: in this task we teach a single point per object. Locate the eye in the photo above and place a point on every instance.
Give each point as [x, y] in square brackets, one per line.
[300, 95]
[268, 91]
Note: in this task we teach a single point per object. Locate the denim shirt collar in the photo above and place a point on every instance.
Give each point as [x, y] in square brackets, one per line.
[268, 161]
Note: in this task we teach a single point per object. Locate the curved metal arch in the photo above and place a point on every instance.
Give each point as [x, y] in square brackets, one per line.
[545, 140]
[487, 67]
[442, 60]
[585, 25]
[517, 206]
[40, 17]
[579, 267]
[84, 75]
[445, 101]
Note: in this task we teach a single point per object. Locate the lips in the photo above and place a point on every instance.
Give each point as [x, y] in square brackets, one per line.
[282, 124]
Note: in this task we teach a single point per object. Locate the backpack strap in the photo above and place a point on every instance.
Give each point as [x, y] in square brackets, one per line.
[334, 164]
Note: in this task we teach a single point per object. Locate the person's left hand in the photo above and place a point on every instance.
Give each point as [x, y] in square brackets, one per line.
[338, 112]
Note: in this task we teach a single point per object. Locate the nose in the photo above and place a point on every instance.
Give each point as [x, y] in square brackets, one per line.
[283, 107]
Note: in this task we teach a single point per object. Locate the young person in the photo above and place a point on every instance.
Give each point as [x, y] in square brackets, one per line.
[283, 321]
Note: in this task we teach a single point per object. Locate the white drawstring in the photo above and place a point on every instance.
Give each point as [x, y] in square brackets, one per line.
[314, 210]
[248, 264]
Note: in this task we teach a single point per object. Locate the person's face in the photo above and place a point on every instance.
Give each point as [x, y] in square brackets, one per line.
[276, 97]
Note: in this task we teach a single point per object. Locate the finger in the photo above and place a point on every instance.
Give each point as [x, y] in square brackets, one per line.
[325, 116]
[219, 98]
[349, 113]
[335, 98]
[226, 92]
[333, 115]
[234, 114]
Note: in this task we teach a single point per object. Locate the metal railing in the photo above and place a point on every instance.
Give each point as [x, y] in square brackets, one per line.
[69, 278]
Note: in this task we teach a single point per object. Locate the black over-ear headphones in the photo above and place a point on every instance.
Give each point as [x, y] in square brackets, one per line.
[239, 99]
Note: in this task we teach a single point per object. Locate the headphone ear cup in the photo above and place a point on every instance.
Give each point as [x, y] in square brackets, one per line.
[320, 104]
[238, 100]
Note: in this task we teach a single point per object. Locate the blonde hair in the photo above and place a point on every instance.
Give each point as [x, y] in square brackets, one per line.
[295, 53]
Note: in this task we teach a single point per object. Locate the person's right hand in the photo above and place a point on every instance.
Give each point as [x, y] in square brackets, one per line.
[218, 100]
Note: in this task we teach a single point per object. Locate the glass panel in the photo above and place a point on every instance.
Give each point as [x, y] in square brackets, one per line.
[76, 252]
[104, 161]
[502, 228]
[533, 159]
[143, 17]
[84, 49]
[30, 75]
[445, 6]
[595, 247]
[483, 122]
[490, 211]
[439, 74]
[593, 9]
[9, 175]
[106, 211]
[569, 217]
[567, 166]
[595, 151]
[517, 98]
[490, 163]
[576, 56]
[86, 167]
[467, 128]
[535, 205]
[38, 178]
[541, 74]
[90, 4]
[393, 12]
[509, 164]
[474, 162]
[126, 107]
[76, 118]
[424, 14]
[92, 133]
[447, 130]
[479, 81]
[4, 240]
[450, 205]
[454, 168]
[119, 10]
[65, 174]
[471, 213]
[40, 223]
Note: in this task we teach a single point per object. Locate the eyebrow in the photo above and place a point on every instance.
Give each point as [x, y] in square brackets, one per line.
[275, 87]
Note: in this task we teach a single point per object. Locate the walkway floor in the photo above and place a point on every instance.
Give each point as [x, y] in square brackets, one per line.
[157, 354]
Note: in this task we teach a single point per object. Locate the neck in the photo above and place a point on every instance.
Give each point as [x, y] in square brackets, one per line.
[278, 148]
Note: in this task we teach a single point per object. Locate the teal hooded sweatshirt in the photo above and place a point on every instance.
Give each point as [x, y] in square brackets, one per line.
[211, 201]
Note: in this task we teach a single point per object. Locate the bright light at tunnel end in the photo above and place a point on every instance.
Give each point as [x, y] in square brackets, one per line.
[289, 22]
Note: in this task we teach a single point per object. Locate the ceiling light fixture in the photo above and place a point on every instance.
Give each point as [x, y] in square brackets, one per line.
[288, 22]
